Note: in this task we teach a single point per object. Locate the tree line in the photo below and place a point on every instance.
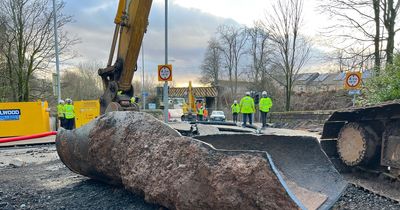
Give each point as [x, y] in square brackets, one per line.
[366, 30]
[269, 55]
[272, 51]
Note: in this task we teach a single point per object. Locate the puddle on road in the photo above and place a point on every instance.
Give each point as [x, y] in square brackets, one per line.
[60, 182]
[27, 156]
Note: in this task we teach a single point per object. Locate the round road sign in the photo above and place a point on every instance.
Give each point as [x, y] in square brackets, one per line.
[165, 73]
[353, 80]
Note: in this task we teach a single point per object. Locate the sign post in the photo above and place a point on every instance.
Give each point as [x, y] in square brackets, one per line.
[57, 53]
[165, 74]
[165, 90]
[352, 83]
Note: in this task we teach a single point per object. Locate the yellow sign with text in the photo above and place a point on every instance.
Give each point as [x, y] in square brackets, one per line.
[24, 118]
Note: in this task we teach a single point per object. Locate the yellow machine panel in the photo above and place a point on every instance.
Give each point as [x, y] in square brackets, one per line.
[85, 111]
[24, 118]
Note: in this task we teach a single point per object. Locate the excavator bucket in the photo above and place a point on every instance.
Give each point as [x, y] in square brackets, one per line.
[304, 166]
[237, 171]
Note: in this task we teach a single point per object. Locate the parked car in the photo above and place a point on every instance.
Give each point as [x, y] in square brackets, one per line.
[217, 116]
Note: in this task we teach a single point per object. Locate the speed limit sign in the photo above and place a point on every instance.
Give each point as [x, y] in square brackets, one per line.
[353, 80]
[164, 72]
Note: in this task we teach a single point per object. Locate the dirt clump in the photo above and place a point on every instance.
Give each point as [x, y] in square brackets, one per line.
[151, 159]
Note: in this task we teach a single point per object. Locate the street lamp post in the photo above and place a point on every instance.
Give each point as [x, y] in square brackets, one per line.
[143, 90]
[165, 99]
[56, 48]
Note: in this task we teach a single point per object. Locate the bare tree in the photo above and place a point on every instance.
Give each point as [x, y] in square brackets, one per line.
[260, 53]
[82, 83]
[359, 24]
[232, 42]
[210, 68]
[390, 10]
[4, 88]
[292, 50]
[367, 23]
[28, 41]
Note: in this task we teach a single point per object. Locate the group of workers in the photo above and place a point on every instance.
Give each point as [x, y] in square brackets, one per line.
[202, 113]
[66, 114]
[247, 108]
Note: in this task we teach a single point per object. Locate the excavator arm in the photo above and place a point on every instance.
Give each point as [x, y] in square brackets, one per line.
[130, 25]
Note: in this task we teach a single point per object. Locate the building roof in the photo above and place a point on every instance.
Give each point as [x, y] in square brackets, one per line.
[334, 78]
[306, 78]
[227, 83]
[197, 91]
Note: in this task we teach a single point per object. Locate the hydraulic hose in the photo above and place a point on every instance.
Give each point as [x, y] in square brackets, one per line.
[33, 136]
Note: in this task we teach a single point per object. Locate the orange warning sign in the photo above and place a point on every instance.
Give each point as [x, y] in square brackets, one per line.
[353, 80]
[165, 72]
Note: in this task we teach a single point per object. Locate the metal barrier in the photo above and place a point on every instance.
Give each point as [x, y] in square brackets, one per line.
[317, 116]
[86, 111]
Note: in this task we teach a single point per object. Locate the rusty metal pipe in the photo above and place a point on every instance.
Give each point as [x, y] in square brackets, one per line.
[151, 158]
[73, 150]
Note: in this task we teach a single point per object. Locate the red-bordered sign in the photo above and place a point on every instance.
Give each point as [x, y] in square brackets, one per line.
[353, 80]
[165, 72]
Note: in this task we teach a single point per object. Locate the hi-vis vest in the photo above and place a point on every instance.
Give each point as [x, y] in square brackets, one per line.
[247, 105]
[265, 104]
[200, 111]
[235, 108]
[61, 110]
[69, 111]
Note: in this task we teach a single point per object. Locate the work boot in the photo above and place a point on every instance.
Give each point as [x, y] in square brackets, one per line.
[263, 127]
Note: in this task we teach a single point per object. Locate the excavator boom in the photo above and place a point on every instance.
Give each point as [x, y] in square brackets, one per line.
[131, 23]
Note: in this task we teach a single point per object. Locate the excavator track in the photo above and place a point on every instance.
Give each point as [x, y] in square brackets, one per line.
[366, 136]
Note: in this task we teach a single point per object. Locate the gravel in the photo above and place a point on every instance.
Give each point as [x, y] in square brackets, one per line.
[356, 198]
[50, 185]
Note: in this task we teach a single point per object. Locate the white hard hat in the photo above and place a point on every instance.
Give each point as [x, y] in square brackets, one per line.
[247, 93]
[235, 101]
[68, 100]
[61, 102]
[264, 93]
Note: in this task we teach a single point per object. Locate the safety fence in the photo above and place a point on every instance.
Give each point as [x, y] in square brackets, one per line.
[27, 118]
[24, 118]
[319, 116]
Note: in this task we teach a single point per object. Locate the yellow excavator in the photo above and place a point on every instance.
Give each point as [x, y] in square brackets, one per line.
[130, 26]
[189, 108]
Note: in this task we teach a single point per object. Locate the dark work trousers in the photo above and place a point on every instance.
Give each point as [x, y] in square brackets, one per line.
[62, 122]
[199, 117]
[235, 117]
[264, 116]
[245, 120]
[69, 123]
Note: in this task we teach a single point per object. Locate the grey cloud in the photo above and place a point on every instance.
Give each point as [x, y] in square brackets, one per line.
[189, 32]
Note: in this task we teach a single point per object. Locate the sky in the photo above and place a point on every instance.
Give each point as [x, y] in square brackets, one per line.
[191, 25]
